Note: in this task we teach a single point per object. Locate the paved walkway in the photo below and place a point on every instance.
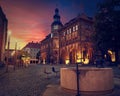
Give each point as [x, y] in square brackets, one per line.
[29, 81]
[32, 81]
[56, 90]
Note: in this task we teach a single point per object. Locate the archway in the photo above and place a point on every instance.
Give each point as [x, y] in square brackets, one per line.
[64, 56]
[72, 56]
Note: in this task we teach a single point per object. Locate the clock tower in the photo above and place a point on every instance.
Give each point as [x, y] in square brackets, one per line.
[56, 23]
[54, 41]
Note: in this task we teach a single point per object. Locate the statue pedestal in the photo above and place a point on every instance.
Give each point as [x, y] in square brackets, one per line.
[91, 80]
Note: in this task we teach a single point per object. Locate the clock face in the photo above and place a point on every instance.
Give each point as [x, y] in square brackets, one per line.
[55, 26]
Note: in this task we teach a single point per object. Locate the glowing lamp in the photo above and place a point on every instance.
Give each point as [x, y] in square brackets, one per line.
[112, 54]
[113, 57]
[86, 61]
[67, 61]
[78, 61]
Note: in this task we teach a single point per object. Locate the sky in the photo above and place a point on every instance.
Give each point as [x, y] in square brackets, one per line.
[30, 20]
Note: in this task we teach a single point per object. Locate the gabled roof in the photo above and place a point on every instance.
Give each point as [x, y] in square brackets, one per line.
[80, 16]
[32, 45]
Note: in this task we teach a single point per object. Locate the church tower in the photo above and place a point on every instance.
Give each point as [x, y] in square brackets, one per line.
[54, 42]
[57, 24]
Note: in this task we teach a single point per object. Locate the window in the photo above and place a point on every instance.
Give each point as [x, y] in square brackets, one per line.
[63, 33]
[70, 30]
[55, 26]
[66, 37]
[51, 35]
[73, 28]
[67, 31]
[76, 27]
[70, 36]
[73, 34]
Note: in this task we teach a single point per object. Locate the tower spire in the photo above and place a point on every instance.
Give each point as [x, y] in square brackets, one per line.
[56, 17]
[57, 24]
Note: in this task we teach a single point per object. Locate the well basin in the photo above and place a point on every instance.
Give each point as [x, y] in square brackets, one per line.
[91, 79]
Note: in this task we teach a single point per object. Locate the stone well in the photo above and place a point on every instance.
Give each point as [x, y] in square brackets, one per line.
[91, 79]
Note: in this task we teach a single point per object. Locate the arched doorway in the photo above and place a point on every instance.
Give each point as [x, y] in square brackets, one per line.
[64, 57]
[72, 57]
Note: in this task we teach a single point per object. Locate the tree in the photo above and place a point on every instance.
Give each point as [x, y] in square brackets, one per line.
[107, 27]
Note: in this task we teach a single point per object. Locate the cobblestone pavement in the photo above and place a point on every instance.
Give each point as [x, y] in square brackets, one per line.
[32, 81]
[55, 90]
[29, 81]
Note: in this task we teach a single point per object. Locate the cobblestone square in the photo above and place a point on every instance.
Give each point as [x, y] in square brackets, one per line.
[29, 81]
[32, 81]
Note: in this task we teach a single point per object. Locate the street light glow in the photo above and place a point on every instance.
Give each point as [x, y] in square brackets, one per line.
[9, 32]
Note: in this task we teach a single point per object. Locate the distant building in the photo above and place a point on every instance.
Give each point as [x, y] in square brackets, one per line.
[32, 49]
[69, 43]
[3, 34]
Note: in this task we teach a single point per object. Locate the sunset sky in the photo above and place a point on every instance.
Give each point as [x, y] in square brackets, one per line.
[30, 20]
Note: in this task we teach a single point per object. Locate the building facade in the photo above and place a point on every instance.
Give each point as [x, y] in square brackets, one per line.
[75, 40]
[32, 49]
[69, 43]
[3, 34]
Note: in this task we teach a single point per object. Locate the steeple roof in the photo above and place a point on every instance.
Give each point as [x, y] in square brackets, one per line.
[56, 18]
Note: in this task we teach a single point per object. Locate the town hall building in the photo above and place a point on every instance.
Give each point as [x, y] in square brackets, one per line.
[68, 43]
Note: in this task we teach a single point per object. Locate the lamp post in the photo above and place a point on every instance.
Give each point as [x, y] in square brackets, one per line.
[8, 48]
[79, 61]
[78, 83]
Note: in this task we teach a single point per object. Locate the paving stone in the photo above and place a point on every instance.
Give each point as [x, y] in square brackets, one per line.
[32, 81]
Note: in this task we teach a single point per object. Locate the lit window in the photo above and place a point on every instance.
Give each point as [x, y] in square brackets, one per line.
[51, 35]
[70, 30]
[63, 33]
[73, 28]
[67, 31]
[76, 27]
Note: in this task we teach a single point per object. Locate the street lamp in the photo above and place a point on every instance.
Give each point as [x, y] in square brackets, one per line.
[8, 48]
[79, 61]
[77, 75]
